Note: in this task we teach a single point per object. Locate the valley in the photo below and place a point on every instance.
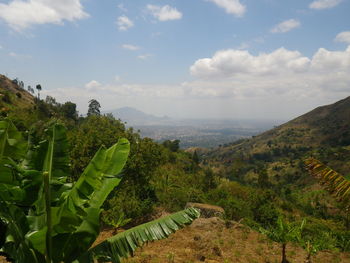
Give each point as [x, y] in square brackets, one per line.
[206, 133]
[253, 170]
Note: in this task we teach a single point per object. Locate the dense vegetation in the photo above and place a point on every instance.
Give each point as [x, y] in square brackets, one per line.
[261, 181]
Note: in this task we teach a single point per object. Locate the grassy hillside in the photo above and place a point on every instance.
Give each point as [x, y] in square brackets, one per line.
[213, 240]
[324, 132]
[12, 96]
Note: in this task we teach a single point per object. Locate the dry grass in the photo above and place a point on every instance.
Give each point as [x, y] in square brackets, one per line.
[211, 240]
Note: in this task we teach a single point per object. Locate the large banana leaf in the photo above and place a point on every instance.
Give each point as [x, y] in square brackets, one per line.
[124, 244]
[50, 159]
[87, 196]
[11, 141]
[334, 182]
[48, 220]
[67, 218]
[63, 220]
[12, 147]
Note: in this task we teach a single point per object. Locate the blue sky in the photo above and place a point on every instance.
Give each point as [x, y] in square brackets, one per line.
[201, 58]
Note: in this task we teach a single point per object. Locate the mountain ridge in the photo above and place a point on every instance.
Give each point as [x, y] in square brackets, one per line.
[323, 132]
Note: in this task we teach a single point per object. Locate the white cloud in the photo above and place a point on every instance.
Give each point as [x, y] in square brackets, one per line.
[324, 4]
[124, 23]
[343, 37]
[144, 56]
[130, 47]
[93, 84]
[164, 13]
[232, 84]
[285, 26]
[237, 73]
[21, 14]
[228, 63]
[231, 6]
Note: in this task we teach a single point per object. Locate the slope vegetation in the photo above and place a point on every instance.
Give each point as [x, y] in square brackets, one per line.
[13, 96]
[324, 132]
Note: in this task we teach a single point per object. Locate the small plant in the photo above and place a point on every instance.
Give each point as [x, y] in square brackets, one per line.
[283, 233]
[115, 220]
[170, 257]
[311, 249]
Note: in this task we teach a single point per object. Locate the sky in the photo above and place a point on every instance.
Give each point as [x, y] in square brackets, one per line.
[227, 59]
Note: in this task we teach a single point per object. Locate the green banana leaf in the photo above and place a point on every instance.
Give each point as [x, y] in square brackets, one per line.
[15, 243]
[49, 220]
[87, 196]
[124, 244]
[70, 221]
[12, 147]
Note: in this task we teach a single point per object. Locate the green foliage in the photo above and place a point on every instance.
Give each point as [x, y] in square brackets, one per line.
[69, 110]
[5, 97]
[172, 145]
[94, 108]
[48, 219]
[283, 233]
[57, 214]
[262, 203]
[114, 218]
[86, 138]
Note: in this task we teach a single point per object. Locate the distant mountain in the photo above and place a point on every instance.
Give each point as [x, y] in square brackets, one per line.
[136, 117]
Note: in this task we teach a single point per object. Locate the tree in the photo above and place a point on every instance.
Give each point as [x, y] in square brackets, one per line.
[21, 84]
[30, 89]
[38, 87]
[69, 110]
[195, 158]
[172, 145]
[50, 220]
[94, 108]
[263, 177]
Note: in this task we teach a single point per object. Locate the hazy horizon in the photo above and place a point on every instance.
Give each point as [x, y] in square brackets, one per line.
[205, 59]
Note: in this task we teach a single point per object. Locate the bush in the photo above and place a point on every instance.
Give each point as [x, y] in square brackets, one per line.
[6, 98]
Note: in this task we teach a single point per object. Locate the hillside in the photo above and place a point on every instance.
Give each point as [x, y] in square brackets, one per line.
[12, 96]
[324, 132]
[213, 240]
[256, 181]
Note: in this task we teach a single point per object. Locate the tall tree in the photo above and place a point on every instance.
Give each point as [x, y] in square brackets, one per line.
[30, 89]
[94, 108]
[69, 110]
[38, 87]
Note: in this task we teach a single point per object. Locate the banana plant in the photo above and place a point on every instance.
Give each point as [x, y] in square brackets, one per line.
[49, 220]
[333, 182]
[283, 233]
